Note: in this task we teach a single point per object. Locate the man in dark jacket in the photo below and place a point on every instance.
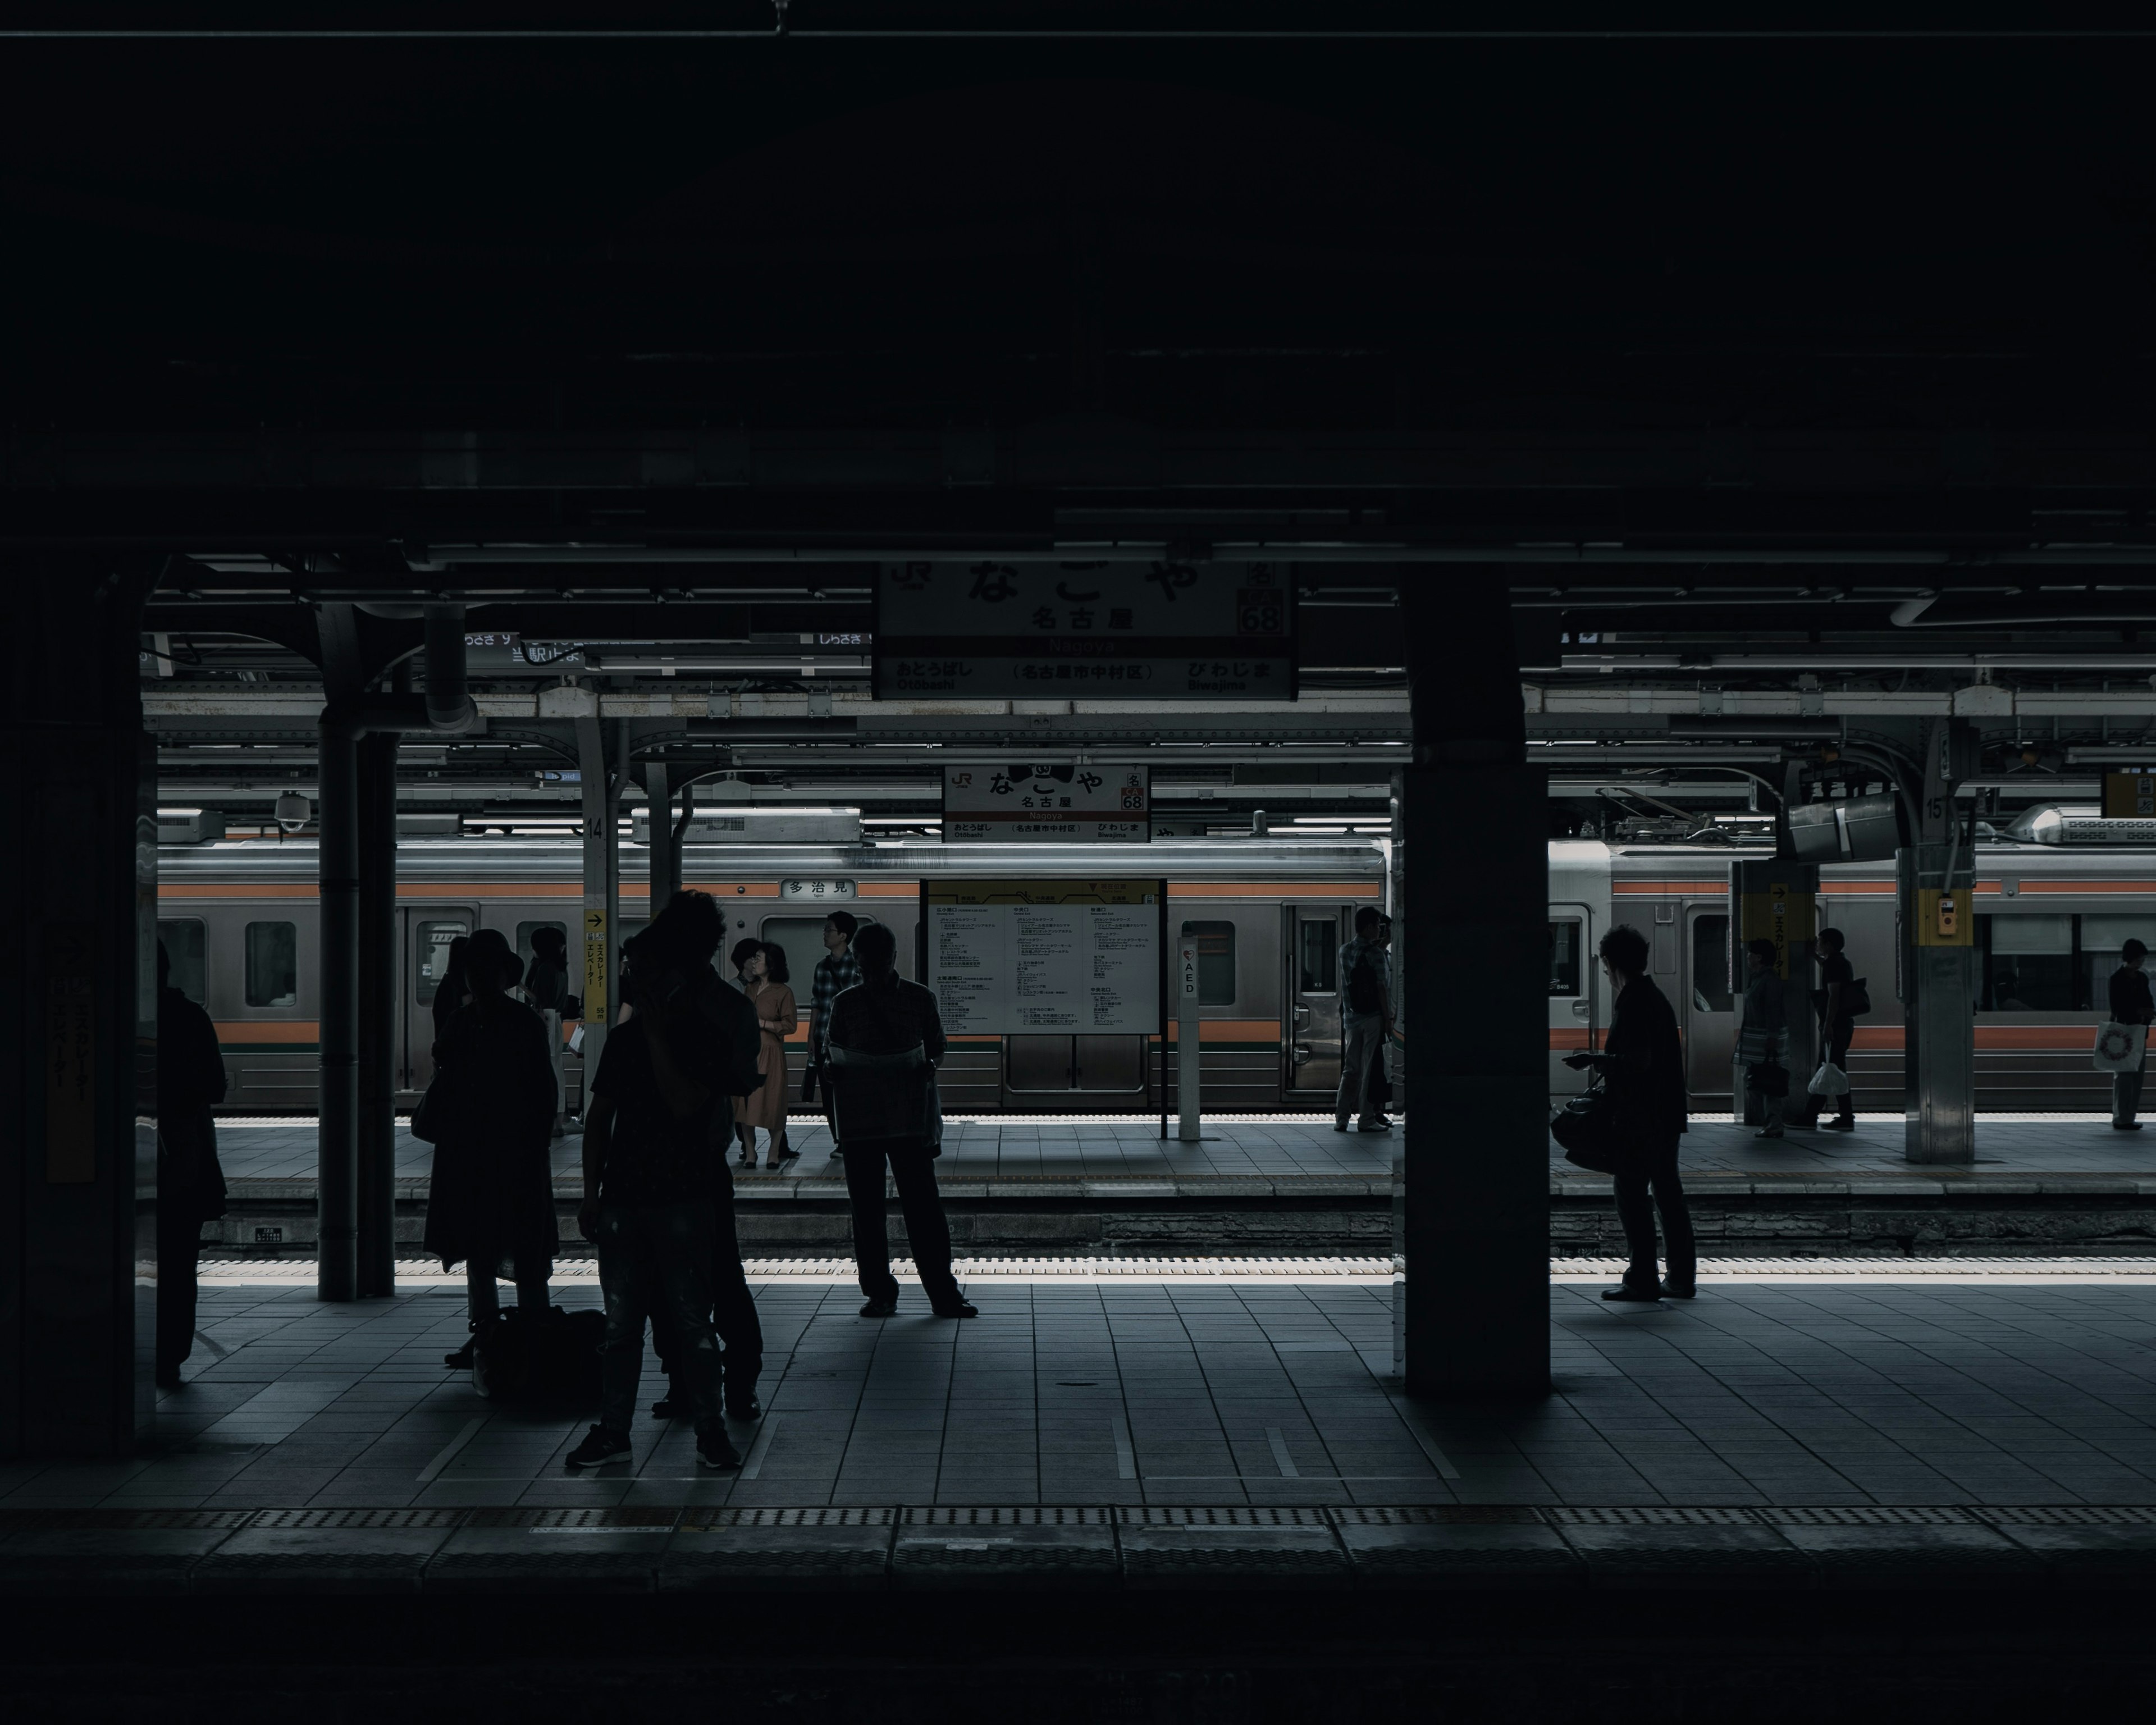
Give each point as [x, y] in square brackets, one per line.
[691, 928]
[1643, 1062]
[886, 1039]
[2131, 1003]
[190, 1183]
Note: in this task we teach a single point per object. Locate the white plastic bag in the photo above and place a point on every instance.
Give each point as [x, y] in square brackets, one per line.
[2118, 1048]
[1830, 1081]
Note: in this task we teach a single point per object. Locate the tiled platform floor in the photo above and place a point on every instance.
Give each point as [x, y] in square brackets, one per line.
[2009, 1148]
[1242, 1391]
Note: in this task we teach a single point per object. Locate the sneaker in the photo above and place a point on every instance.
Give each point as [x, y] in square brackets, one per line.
[2126, 1126]
[601, 1447]
[714, 1451]
[1772, 1131]
[956, 1308]
[1680, 1289]
[881, 1308]
[1838, 1125]
[1341, 1124]
[1625, 1291]
[1375, 1126]
[745, 1409]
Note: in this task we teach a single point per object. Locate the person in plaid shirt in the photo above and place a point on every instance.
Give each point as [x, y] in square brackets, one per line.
[838, 970]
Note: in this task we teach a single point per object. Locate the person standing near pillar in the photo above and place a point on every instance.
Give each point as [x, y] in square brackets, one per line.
[2131, 1003]
[1837, 1025]
[190, 1183]
[886, 1041]
[490, 1202]
[837, 971]
[1763, 1041]
[1366, 1022]
[1643, 1060]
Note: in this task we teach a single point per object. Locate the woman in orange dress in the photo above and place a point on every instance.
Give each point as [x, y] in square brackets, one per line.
[763, 974]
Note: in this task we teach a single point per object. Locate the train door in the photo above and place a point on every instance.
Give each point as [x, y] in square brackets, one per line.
[1573, 1022]
[424, 932]
[1710, 1010]
[1311, 937]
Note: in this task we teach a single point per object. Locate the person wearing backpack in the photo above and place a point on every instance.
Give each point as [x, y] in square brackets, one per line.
[1366, 1022]
[1840, 1000]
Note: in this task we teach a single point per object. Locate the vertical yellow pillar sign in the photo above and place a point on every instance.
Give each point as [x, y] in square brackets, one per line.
[596, 967]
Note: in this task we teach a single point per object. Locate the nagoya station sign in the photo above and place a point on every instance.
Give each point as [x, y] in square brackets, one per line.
[1164, 631]
[1024, 957]
[1078, 805]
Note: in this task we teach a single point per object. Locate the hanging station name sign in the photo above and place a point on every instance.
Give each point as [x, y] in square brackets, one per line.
[1101, 805]
[1163, 631]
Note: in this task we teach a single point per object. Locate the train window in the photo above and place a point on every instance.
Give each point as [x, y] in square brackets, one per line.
[1564, 955]
[273, 964]
[2101, 938]
[801, 939]
[1317, 956]
[430, 953]
[2028, 962]
[183, 940]
[1709, 965]
[1216, 961]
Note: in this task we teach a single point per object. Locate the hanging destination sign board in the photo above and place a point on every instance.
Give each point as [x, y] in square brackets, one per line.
[1163, 631]
[1026, 958]
[1080, 804]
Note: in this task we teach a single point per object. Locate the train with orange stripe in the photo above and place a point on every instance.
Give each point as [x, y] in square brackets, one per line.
[2050, 921]
[1269, 915]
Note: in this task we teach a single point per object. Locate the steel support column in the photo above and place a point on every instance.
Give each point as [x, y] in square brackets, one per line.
[602, 891]
[1474, 1163]
[336, 1155]
[665, 855]
[376, 1152]
[1935, 880]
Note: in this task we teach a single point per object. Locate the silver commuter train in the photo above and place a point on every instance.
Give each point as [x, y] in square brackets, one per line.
[2050, 921]
[239, 920]
[1269, 915]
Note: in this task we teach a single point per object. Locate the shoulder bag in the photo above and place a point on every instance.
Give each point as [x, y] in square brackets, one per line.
[1586, 1129]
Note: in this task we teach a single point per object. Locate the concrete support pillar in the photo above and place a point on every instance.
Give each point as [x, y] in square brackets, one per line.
[377, 1143]
[78, 1022]
[1775, 899]
[602, 929]
[1474, 1182]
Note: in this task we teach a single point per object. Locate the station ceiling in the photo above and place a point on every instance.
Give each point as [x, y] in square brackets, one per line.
[1737, 359]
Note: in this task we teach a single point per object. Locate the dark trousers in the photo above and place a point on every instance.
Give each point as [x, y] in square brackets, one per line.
[179, 1235]
[2126, 1090]
[913, 1169]
[656, 1257]
[1837, 1050]
[1650, 1183]
[733, 1307]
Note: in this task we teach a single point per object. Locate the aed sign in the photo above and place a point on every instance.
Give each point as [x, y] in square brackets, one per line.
[1167, 630]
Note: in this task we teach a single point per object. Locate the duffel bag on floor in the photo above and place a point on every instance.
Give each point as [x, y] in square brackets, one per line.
[554, 1359]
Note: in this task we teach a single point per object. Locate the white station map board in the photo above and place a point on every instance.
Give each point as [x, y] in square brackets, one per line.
[1030, 958]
